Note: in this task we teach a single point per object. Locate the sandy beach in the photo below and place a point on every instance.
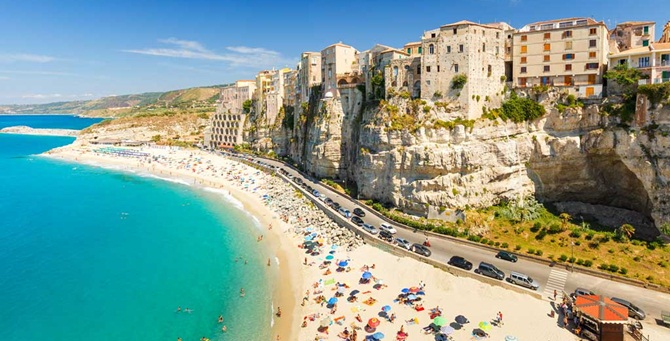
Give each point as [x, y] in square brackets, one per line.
[309, 282]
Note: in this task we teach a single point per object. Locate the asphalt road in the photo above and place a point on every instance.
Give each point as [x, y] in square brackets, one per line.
[652, 302]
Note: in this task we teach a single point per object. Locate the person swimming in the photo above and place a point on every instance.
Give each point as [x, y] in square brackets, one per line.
[242, 293]
[187, 310]
[220, 318]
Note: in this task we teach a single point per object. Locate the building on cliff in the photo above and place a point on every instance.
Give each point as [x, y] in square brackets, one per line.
[653, 60]
[631, 34]
[269, 95]
[227, 122]
[309, 75]
[665, 36]
[467, 49]
[339, 68]
[570, 53]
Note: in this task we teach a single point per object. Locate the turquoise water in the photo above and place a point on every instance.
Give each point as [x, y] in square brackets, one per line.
[87, 253]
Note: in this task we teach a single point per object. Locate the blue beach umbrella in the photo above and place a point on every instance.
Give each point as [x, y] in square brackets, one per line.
[333, 247]
[411, 297]
[367, 275]
[386, 308]
[332, 300]
[343, 263]
[378, 335]
[404, 290]
[329, 257]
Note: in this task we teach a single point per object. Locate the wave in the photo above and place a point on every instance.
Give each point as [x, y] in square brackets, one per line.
[173, 180]
[226, 195]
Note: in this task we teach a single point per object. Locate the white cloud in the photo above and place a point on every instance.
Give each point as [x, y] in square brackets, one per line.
[41, 96]
[25, 57]
[238, 56]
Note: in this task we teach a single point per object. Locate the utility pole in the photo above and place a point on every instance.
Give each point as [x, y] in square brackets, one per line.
[573, 256]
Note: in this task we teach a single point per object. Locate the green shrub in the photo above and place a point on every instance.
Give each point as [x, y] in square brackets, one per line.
[484, 241]
[580, 262]
[536, 227]
[603, 266]
[541, 235]
[458, 82]
[563, 258]
[656, 93]
[623, 271]
[588, 263]
[531, 251]
[572, 259]
[517, 248]
[663, 264]
[538, 252]
[497, 244]
[490, 243]
[504, 245]
[604, 239]
[589, 235]
[520, 109]
[578, 243]
[637, 258]
[575, 233]
[554, 228]
[613, 268]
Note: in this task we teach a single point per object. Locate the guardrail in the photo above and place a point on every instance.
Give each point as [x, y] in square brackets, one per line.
[568, 266]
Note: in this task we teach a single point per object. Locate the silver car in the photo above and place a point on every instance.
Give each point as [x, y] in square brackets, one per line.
[370, 228]
[403, 243]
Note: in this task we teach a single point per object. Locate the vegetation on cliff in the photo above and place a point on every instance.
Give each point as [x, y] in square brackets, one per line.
[517, 109]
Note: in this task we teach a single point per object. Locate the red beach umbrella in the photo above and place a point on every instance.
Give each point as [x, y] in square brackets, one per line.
[414, 289]
[374, 322]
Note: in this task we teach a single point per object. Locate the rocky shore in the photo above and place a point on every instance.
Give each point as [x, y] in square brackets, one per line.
[25, 130]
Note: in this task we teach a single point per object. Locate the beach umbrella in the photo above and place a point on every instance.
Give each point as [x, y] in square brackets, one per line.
[329, 257]
[373, 322]
[404, 290]
[342, 263]
[440, 321]
[411, 297]
[326, 322]
[414, 289]
[332, 300]
[485, 326]
[354, 293]
[460, 319]
[333, 247]
[478, 332]
[366, 275]
[511, 338]
[341, 290]
[447, 330]
[386, 308]
[441, 337]
[378, 336]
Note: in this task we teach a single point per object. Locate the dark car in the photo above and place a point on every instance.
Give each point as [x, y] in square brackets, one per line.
[489, 270]
[358, 221]
[460, 262]
[329, 202]
[336, 205]
[507, 256]
[359, 212]
[633, 310]
[386, 235]
[421, 249]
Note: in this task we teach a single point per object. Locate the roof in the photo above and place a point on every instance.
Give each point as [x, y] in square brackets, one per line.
[635, 23]
[665, 47]
[413, 43]
[468, 22]
[338, 44]
[395, 50]
[589, 22]
[602, 309]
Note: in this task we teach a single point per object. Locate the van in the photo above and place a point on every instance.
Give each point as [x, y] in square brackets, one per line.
[490, 270]
[523, 280]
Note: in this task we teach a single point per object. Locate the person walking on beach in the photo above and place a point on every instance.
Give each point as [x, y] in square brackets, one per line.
[555, 294]
[499, 317]
[278, 312]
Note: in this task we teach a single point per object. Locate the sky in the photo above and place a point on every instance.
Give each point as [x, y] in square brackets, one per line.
[52, 51]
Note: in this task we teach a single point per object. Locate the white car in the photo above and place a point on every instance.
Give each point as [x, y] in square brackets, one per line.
[388, 227]
[322, 197]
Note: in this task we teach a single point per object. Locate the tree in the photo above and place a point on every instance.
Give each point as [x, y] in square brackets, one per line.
[565, 219]
[246, 106]
[626, 230]
[625, 76]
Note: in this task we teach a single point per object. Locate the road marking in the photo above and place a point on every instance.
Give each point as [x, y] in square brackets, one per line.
[556, 281]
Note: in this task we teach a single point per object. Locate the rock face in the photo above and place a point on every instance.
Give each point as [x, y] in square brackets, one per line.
[578, 155]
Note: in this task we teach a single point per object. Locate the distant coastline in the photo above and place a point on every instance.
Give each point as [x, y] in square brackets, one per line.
[25, 130]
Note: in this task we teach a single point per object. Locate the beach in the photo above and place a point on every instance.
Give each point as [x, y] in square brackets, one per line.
[308, 280]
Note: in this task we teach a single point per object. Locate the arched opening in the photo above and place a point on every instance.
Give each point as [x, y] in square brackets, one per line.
[355, 80]
[342, 82]
[405, 83]
[395, 72]
[416, 90]
[394, 83]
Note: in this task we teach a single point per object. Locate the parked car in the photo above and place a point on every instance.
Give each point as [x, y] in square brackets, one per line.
[386, 236]
[633, 310]
[357, 220]
[523, 280]
[507, 256]
[460, 262]
[370, 228]
[322, 197]
[421, 249]
[581, 292]
[329, 202]
[309, 189]
[335, 205]
[345, 212]
[489, 270]
[388, 227]
[297, 180]
[359, 212]
[316, 193]
[403, 243]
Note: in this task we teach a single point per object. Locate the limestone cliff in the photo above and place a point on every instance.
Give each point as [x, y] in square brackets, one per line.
[420, 157]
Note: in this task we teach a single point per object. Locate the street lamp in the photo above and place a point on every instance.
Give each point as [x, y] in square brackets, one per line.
[572, 258]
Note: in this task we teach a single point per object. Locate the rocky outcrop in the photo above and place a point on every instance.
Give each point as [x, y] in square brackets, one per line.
[577, 155]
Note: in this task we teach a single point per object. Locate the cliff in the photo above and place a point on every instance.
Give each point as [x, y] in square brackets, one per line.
[421, 157]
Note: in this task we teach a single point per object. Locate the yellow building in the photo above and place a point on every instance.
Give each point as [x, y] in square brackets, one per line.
[569, 53]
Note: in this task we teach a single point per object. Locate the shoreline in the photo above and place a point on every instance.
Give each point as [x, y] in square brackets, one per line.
[287, 276]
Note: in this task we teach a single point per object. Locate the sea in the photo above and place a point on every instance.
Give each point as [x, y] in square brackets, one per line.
[88, 253]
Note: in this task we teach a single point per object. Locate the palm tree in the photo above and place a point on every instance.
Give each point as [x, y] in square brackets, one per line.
[565, 218]
[627, 230]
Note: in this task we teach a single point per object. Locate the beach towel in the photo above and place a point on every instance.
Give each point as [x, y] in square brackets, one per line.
[330, 281]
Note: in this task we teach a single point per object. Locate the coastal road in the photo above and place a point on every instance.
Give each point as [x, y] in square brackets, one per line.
[549, 278]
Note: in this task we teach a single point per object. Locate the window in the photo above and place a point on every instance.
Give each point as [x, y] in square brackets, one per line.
[431, 49]
[524, 60]
[523, 69]
[427, 68]
[567, 34]
[524, 38]
[524, 48]
[547, 68]
[419, 49]
[455, 31]
[409, 51]
[568, 56]
[484, 47]
[592, 31]
[568, 67]
[448, 49]
[455, 67]
[592, 66]
[645, 42]
[546, 58]
[592, 43]
[497, 50]
[545, 81]
[643, 62]
[622, 61]
[547, 47]
[592, 79]
[418, 70]
[497, 34]
[646, 30]
[460, 48]
[522, 81]
[568, 45]
[432, 35]
[547, 35]
[438, 68]
[567, 80]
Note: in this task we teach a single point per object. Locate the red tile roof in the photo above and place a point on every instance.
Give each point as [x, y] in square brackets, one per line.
[602, 308]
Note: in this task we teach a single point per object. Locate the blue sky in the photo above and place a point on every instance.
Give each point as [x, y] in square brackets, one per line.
[83, 49]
